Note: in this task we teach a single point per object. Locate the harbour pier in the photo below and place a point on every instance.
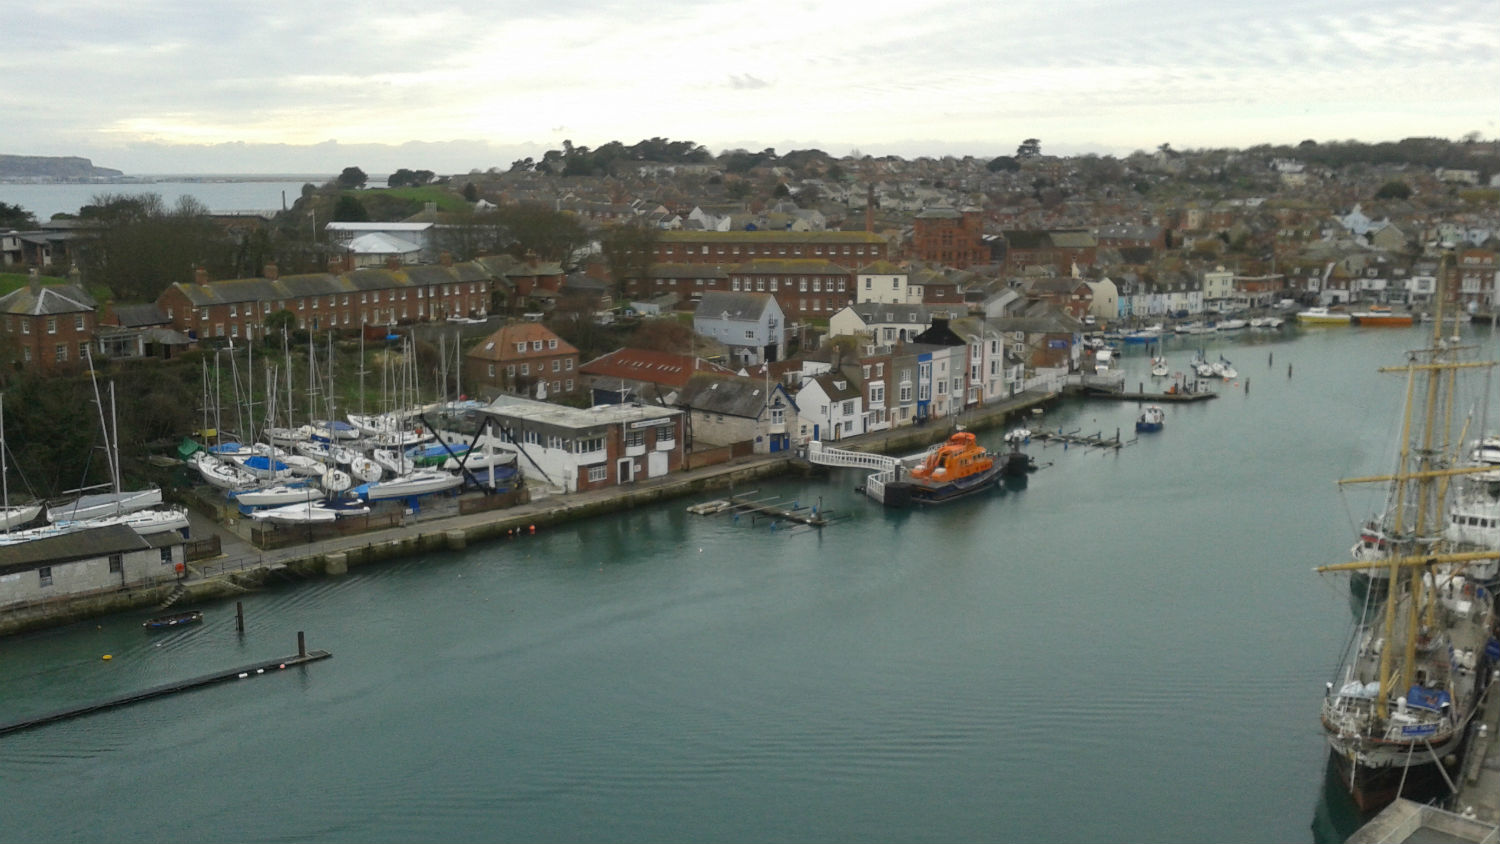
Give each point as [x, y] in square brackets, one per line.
[244, 672]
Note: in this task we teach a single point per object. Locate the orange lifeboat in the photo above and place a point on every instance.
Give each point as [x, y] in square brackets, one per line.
[959, 458]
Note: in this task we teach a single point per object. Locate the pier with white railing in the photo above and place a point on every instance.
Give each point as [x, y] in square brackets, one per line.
[883, 466]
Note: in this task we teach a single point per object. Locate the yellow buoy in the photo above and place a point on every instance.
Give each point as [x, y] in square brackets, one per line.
[106, 656]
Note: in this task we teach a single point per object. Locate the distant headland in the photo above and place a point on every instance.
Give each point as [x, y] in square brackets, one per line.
[46, 168]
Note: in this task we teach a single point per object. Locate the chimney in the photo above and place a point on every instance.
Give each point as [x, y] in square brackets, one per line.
[200, 276]
[446, 259]
[34, 281]
[335, 266]
[270, 272]
[531, 260]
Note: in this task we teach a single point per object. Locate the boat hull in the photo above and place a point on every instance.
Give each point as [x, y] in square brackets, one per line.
[1383, 319]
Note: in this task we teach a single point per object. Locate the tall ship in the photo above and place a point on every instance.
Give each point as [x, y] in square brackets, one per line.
[1411, 678]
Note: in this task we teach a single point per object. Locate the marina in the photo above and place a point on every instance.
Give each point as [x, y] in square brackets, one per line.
[650, 673]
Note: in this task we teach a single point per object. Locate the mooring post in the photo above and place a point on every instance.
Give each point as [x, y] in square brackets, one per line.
[239, 617]
[1270, 358]
[1288, 370]
[1247, 386]
[301, 644]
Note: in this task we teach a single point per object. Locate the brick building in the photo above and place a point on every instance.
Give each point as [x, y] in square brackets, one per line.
[524, 358]
[847, 249]
[47, 327]
[949, 238]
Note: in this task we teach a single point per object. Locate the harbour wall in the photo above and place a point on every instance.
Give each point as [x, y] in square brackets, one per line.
[213, 580]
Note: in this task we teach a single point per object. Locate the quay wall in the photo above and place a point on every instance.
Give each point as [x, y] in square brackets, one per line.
[333, 557]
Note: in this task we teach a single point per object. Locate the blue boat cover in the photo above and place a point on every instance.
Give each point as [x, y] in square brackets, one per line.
[1425, 698]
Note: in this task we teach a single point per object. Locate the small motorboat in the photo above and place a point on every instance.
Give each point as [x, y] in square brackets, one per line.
[166, 622]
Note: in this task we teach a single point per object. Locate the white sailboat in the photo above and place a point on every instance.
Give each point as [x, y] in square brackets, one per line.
[11, 516]
[115, 502]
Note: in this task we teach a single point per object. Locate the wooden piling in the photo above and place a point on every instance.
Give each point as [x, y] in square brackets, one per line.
[239, 617]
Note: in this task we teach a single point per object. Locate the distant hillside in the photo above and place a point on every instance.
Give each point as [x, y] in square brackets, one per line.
[53, 168]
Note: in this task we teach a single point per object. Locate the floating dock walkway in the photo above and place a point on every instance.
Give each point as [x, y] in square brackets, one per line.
[768, 507]
[1183, 397]
[1075, 438]
[302, 657]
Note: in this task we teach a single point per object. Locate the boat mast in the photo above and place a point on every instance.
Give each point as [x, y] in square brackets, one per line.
[4, 480]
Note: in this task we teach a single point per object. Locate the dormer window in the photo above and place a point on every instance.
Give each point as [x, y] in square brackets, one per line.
[521, 347]
[841, 385]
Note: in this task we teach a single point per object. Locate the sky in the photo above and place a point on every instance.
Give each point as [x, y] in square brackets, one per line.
[276, 86]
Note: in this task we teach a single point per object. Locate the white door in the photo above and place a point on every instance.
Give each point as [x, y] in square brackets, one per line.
[656, 464]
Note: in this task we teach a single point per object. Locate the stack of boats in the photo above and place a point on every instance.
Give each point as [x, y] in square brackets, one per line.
[1398, 713]
[329, 470]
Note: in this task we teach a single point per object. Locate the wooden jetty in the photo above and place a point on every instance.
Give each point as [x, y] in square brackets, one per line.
[1180, 397]
[767, 507]
[1076, 438]
[302, 657]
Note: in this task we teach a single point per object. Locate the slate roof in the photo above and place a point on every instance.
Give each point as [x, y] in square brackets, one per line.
[140, 316]
[727, 395]
[829, 382]
[875, 312]
[741, 307]
[47, 300]
[673, 237]
[78, 545]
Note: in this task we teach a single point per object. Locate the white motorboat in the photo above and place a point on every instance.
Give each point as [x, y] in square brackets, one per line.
[1159, 367]
[365, 469]
[480, 459]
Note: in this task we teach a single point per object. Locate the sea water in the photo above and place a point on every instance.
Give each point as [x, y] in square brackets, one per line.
[1131, 648]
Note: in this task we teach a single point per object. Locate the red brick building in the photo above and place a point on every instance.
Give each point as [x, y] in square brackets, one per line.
[47, 327]
[815, 288]
[524, 358]
[329, 301]
[847, 249]
[949, 238]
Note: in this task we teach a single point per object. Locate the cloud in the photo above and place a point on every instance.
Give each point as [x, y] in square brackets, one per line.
[746, 82]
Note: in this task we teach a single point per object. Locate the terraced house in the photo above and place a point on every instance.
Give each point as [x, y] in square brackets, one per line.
[327, 301]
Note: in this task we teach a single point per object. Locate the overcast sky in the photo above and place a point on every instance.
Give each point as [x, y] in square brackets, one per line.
[276, 86]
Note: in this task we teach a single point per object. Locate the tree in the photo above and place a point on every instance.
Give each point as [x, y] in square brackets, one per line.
[15, 217]
[279, 322]
[1029, 148]
[1394, 189]
[349, 209]
[663, 334]
[471, 193]
[142, 246]
[535, 228]
[352, 177]
[628, 249]
[1003, 163]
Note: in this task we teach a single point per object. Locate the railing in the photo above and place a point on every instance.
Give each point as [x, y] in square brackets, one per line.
[822, 455]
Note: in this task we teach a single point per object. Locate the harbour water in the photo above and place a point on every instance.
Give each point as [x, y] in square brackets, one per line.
[1132, 648]
[226, 195]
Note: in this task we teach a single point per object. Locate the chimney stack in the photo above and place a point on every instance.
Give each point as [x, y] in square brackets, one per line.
[200, 276]
[531, 259]
[270, 272]
[34, 280]
[446, 259]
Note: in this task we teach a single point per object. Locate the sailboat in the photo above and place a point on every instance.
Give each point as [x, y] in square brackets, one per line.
[1418, 663]
[21, 514]
[117, 501]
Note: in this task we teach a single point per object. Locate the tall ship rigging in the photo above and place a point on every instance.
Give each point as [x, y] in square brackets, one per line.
[1418, 664]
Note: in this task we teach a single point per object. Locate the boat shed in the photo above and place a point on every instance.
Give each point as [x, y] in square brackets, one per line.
[86, 561]
[576, 449]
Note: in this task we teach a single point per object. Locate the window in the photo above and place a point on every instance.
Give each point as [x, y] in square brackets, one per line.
[551, 344]
[555, 441]
[52, 325]
[525, 369]
[492, 370]
[45, 573]
[532, 438]
[234, 310]
[521, 347]
[589, 445]
[510, 370]
[536, 345]
[556, 365]
[569, 368]
[83, 350]
[749, 334]
[570, 385]
[166, 556]
[636, 438]
[78, 322]
[598, 473]
[848, 408]
[25, 326]
[117, 562]
[61, 352]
